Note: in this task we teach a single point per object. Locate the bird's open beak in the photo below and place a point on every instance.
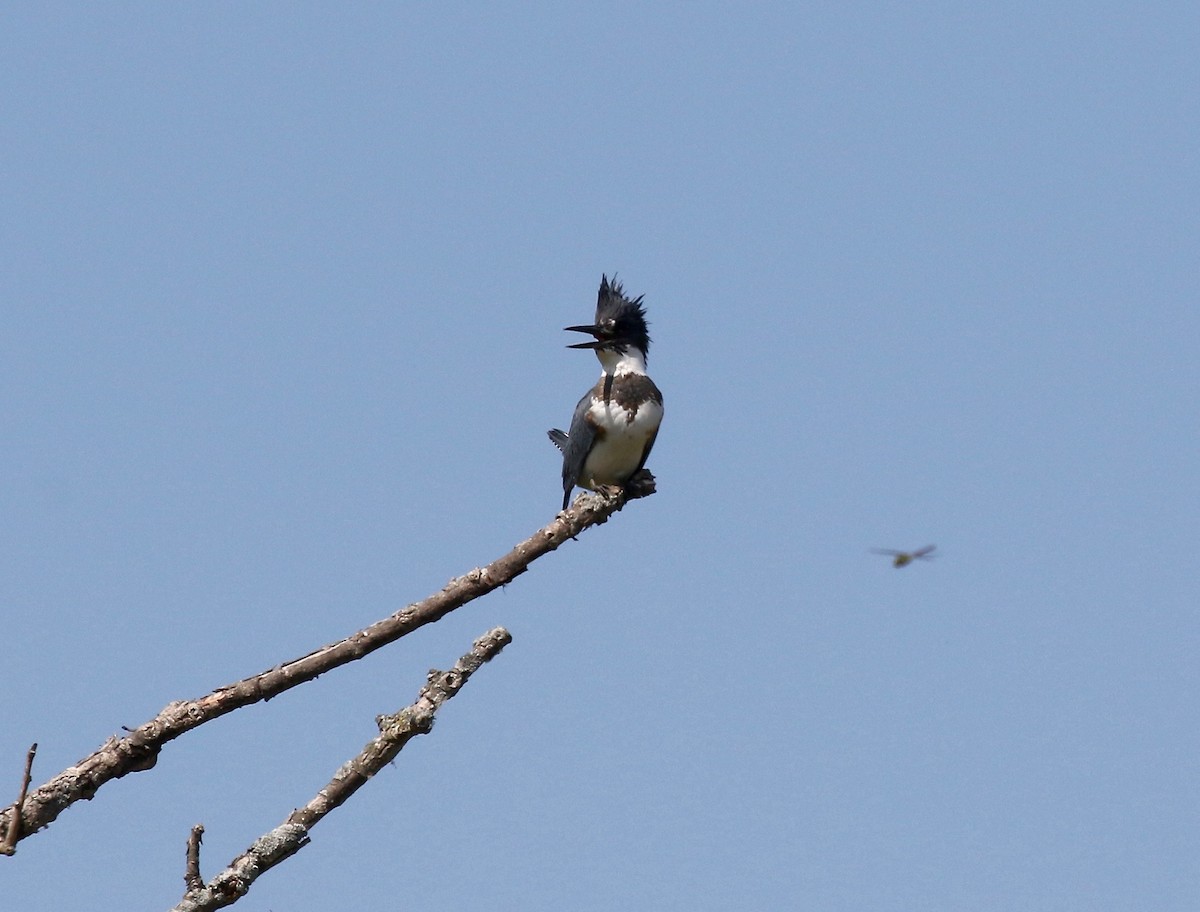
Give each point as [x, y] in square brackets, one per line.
[593, 330]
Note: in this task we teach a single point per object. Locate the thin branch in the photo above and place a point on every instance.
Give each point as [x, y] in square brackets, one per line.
[291, 836]
[191, 873]
[12, 835]
[138, 750]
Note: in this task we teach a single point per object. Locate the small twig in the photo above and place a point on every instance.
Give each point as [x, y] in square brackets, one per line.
[291, 836]
[191, 872]
[13, 835]
[139, 749]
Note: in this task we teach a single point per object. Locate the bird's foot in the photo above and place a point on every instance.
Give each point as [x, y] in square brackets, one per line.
[640, 485]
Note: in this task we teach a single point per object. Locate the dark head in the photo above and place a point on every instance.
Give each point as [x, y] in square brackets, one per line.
[620, 322]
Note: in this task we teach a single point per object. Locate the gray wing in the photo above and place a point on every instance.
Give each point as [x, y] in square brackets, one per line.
[575, 446]
[646, 453]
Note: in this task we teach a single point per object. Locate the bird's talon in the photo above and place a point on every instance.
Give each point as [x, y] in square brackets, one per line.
[641, 485]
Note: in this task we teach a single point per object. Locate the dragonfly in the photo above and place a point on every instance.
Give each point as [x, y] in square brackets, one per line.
[904, 558]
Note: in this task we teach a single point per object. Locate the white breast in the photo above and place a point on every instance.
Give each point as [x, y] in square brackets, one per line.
[616, 454]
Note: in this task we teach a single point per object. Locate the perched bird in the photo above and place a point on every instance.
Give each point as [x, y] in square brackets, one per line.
[616, 421]
[904, 558]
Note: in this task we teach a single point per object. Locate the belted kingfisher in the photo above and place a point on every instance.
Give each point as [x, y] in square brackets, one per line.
[616, 421]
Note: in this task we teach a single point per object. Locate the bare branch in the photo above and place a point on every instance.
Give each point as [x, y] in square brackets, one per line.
[12, 835]
[138, 750]
[191, 872]
[291, 836]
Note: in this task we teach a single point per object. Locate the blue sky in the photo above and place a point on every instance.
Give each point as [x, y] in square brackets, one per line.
[283, 294]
